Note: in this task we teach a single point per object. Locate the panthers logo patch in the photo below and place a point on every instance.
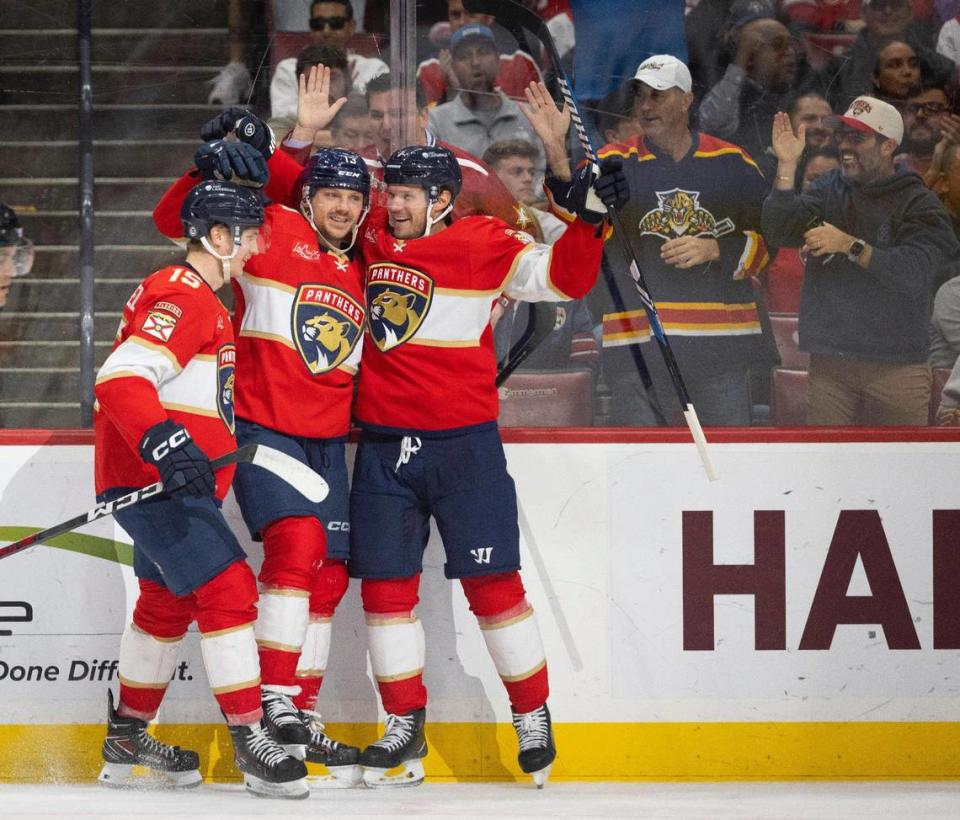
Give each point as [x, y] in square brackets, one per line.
[398, 300]
[679, 214]
[327, 323]
[226, 362]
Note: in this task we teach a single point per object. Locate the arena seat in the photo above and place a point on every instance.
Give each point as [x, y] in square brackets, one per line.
[784, 327]
[788, 397]
[547, 399]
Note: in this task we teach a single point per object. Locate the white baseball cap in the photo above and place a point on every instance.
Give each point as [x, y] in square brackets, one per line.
[663, 71]
[871, 114]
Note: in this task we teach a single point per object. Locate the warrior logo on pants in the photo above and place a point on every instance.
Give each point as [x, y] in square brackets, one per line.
[398, 300]
[326, 326]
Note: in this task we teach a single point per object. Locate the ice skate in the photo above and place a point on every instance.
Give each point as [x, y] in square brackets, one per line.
[342, 762]
[267, 770]
[127, 744]
[537, 750]
[402, 745]
[231, 86]
[283, 721]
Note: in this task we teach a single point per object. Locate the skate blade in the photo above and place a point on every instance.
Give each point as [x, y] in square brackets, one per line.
[292, 790]
[337, 777]
[128, 776]
[406, 774]
[540, 776]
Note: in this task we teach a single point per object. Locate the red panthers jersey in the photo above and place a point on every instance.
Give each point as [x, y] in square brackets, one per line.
[298, 318]
[428, 361]
[173, 358]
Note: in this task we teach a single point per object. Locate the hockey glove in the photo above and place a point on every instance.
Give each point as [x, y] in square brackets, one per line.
[224, 160]
[247, 127]
[612, 187]
[577, 196]
[184, 468]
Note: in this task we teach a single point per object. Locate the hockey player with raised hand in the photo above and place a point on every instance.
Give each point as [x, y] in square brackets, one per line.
[165, 406]
[299, 317]
[427, 404]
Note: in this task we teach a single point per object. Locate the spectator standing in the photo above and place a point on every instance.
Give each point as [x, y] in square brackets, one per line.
[516, 69]
[482, 114]
[878, 243]
[694, 218]
[756, 84]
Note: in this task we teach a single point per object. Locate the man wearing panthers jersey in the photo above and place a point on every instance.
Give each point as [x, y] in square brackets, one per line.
[165, 406]
[299, 316]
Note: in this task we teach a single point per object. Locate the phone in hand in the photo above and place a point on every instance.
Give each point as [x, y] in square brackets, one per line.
[815, 222]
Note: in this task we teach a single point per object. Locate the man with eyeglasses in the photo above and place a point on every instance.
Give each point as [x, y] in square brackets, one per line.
[922, 115]
[332, 24]
[878, 244]
[740, 107]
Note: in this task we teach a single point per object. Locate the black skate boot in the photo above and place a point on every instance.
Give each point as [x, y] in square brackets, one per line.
[283, 722]
[341, 761]
[537, 750]
[127, 744]
[268, 771]
[402, 744]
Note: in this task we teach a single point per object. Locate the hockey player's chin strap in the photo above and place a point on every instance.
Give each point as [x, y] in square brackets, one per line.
[224, 260]
[432, 197]
[307, 210]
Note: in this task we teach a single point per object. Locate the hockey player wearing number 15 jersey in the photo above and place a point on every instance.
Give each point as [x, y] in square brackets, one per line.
[165, 406]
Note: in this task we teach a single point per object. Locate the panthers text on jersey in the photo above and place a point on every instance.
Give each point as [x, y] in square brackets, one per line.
[429, 362]
[298, 318]
[173, 358]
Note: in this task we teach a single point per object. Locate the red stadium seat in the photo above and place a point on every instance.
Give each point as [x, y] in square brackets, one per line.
[940, 376]
[547, 399]
[784, 327]
[788, 397]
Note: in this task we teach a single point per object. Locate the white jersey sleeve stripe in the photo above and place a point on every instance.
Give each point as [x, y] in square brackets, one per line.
[137, 357]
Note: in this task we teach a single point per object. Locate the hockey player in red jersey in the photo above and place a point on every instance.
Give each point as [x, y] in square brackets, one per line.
[165, 406]
[299, 319]
[428, 408]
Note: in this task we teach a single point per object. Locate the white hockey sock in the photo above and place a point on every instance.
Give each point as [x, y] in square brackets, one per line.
[396, 644]
[514, 643]
[282, 618]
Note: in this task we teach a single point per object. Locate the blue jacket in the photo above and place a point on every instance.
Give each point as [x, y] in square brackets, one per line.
[881, 312]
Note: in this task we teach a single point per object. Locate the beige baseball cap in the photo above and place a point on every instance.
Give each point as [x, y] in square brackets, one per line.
[871, 114]
[663, 71]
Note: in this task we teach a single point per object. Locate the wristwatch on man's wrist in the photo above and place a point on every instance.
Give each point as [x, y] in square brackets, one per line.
[857, 247]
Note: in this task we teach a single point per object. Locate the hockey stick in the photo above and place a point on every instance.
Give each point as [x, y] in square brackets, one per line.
[535, 332]
[296, 474]
[510, 13]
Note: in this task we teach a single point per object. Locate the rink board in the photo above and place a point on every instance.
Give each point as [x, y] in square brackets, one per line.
[827, 563]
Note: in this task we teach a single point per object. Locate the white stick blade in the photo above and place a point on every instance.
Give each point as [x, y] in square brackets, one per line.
[701, 441]
[298, 475]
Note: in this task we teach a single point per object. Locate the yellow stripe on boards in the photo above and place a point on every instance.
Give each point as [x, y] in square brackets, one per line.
[586, 751]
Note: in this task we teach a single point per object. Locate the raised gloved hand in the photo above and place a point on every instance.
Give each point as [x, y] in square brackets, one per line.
[221, 159]
[184, 468]
[247, 127]
[579, 195]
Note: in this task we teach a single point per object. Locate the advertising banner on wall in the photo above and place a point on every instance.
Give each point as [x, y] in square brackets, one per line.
[815, 583]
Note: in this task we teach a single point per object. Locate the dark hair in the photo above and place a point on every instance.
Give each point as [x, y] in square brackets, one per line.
[505, 149]
[615, 107]
[348, 8]
[384, 82]
[809, 154]
[321, 54]
[355, 106]
[794, 101]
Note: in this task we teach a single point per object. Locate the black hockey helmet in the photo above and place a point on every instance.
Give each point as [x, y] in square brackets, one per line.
[433, 168]
[221, 203]
[336, 168]
[11, 235]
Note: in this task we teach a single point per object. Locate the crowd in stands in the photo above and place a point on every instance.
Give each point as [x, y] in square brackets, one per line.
[743, 69]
